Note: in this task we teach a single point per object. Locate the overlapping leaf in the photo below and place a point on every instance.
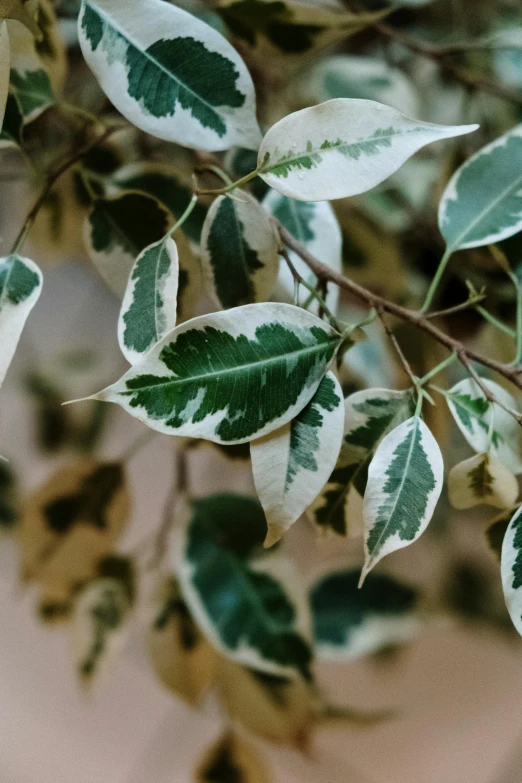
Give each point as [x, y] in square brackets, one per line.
[482, 479]
[404, 484]
[244, 610]
[511, 569]
[473, 414]
[292, 464]
[316, 227]
[342, 147]
[349, 622]
[169, 73]
[229, 377]
[20, 287]
[239, 251]
[482, 202]
[29, 81]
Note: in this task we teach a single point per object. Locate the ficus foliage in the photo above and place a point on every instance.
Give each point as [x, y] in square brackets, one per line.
[253, 180]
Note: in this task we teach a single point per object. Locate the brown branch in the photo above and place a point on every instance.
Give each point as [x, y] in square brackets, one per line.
[403, 360]
[510, 372]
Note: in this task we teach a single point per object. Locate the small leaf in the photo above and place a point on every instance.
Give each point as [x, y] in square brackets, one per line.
[472, 413]
[29, 81]
[99, 626]
[511, 569]
[118, 229]
[482, 203]
[404, 484]
[182, 658]
[369, 415]
[169, 74]
[286, 709]
[229, 377]
[482, 479]
[239, 251]
[232, 760]
[245, 612]
[51, 48]
[292, 464]
[342, 147]
[20, 287]
[149, 306]
[316, 227]
[349, 623]
[5, 60]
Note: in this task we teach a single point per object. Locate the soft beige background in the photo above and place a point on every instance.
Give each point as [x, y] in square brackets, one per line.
[458, 691]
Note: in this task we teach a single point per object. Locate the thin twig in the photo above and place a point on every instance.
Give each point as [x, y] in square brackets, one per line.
[403, 360]
[456, 308]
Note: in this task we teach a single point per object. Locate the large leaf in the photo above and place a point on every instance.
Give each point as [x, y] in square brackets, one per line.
[29, 81]
[482, 479]
[182, 658]
[369, 415]
[239, 251]
[482, 202]
[404, 483]
[292, 464]
[20, 287]
[316, 227]
[5, 59]
[342, 147]
[229, 377]
[511, 569]
[149, 306]
[472, 413]
[244, 610]
[118, 229]
[349, 622]
[168, 73]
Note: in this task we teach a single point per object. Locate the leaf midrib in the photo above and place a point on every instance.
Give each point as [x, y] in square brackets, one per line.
[155, 62]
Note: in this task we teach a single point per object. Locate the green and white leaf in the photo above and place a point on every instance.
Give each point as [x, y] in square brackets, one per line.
[342, 147]
[316, 227]
[482, 203]
[369, 415]
[472, 413]
[239, 251]
[29, 80]
[5, 60]
[99, 626]
[168, 73]
[118, 229]
[404, 484]
[371, 78]
[149, 306]
[231, 376]
[349, 623]
[293, 463]
[511, 569]
[20, 286]
[245, 611]
[482, 479]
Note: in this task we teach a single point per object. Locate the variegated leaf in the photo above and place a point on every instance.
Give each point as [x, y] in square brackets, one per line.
[244, 610]
[482, 203]
[342, 147]
[482, 479]
[5, 59]
[182, 658]
[511, 569]
[20, 287]
[168, 73]
[118, 229]
[99, 627]
[232, 760]
[239, 251]
[316, 227]
[149, 305]
[29, 81]
[472, 413]
[229, 377]
[292, 464]
[404, 484]
[369, 415]
[349, 623]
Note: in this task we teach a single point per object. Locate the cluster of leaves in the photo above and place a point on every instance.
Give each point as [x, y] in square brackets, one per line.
[266, 368]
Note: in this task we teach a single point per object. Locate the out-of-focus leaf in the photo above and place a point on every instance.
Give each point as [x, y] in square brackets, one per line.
[231, 760]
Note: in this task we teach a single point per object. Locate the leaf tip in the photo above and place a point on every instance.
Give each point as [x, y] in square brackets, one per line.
[274, 534]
